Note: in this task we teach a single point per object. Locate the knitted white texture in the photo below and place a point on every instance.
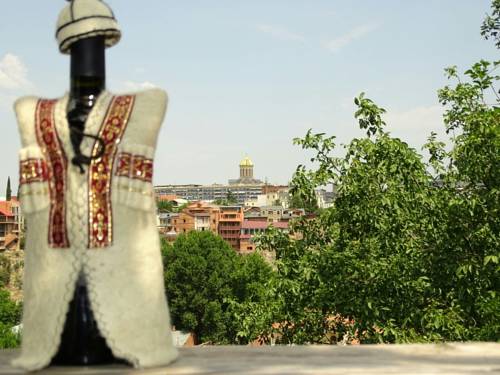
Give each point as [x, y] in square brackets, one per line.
[34, 195]
[124, 280]
[83, 19]
[131, 191]
[49, 276]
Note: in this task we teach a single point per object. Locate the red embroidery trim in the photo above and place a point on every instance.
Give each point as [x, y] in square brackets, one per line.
[142, 168]
[100, 172]
[57, 164]
[135, 166]
[124, 164]
[32, 170]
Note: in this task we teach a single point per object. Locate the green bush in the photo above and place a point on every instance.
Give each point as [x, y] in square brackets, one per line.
[203, 277]
[10, 316]
[8, 339]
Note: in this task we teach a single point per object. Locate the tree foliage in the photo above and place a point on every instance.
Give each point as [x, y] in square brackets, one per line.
[490, 28]
[169, 206]
[8, 191]
[304, 198]
[5, 270]
[10, 316]
[410, 251]
[203, 275]
[229, 200]
[165, 206]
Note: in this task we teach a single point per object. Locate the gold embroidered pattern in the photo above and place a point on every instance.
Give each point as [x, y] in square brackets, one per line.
[32, 170]
[124, 163]
[142, 169]
[100, 171]
[56, 164]
[135, 166]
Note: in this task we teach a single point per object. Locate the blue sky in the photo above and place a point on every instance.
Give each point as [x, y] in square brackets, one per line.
[246, 77]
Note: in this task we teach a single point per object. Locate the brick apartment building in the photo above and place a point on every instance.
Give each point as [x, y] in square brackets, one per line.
[11, 224]
[165, 221]
[250, 228]
[196, 216]
[237, 225]
[230, 219]
[273, 214]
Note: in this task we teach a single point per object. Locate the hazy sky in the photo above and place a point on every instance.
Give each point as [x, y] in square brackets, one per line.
[246, 77]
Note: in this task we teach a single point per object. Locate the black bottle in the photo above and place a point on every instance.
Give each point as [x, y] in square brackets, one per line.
[81, 341]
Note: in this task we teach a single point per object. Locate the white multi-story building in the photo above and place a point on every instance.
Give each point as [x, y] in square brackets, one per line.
[272, 198]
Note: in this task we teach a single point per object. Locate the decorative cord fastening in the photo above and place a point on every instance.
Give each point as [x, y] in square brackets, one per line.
[79, 158]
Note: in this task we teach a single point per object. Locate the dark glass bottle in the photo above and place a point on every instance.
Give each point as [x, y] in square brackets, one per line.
[81, 341]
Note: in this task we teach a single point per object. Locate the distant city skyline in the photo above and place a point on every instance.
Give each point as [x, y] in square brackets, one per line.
[245, 78]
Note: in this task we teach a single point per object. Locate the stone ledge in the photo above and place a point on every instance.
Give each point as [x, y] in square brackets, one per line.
[450, 358]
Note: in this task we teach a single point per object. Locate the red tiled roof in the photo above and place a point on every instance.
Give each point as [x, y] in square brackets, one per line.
[248, 224]
[6, 208]
[251, 224]
[280, 224]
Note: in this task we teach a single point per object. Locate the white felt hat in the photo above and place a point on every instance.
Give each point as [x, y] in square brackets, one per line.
[83, 19]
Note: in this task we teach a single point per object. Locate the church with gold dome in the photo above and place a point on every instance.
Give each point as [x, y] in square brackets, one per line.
[246, 174]
[244, 188]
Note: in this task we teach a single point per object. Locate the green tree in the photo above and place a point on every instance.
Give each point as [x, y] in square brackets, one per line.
[203, 274]
[470, 200]
[181, 207]
[5, 270]
[410, 249]
[169, 206]
[352, 258]
[10, 316]
[305, 197]
[8, 192]
[249, 294]
[165, 206]
[250, 273]
[490, 28]
[231, 198]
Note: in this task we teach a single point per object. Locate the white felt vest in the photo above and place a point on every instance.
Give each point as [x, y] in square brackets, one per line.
[125, 277]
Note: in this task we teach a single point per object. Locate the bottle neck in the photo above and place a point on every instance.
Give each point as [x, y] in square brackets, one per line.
[88, 67]
[88, 80]
[85, 86]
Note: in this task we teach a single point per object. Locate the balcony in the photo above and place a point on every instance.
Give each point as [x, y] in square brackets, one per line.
[236, 225]
[232, 219]
[230, 235]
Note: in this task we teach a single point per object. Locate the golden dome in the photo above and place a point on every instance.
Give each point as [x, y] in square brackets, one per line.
[246, 162]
